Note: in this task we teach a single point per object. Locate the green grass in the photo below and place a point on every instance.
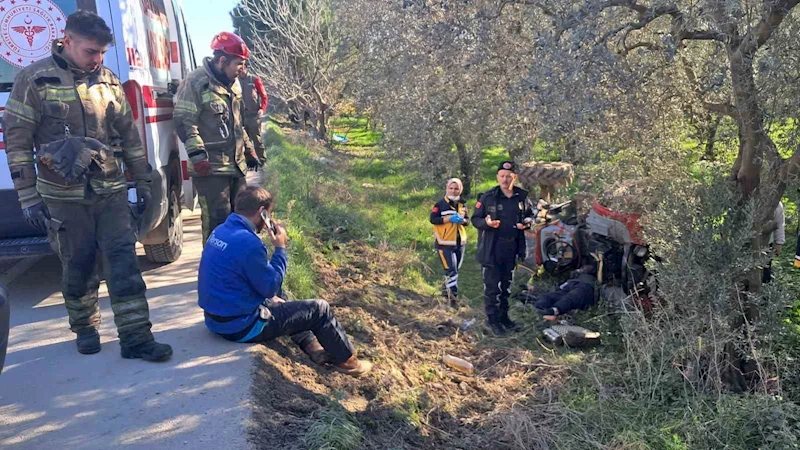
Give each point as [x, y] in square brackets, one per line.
[334, 430]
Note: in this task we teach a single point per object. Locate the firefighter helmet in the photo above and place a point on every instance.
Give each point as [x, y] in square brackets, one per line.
[231, 44]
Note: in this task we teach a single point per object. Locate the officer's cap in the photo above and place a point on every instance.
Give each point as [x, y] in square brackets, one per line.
[507, 165]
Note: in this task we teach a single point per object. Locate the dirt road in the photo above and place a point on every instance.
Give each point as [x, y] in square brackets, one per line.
[51, 396]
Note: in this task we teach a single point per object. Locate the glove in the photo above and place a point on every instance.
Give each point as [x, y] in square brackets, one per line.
[143, 196]
[203, 168]
[72, 157]
[37, 216]
[252, 161]
[456, 219]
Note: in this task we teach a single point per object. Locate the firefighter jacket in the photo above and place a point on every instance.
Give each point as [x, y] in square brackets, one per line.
[449, 234]
[52, 100]
[208, 119]
[510, 212]
[254, 96]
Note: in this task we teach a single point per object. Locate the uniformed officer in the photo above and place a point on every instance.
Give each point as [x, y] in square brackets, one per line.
[73, 110]
[208, 119]
[501, 216]
[255, 106]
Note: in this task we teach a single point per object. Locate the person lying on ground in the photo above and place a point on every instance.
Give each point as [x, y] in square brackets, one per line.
[449, 218]
[577, 293]
[238, 287]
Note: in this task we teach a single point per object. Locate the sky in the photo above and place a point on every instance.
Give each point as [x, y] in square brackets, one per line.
[205, 18]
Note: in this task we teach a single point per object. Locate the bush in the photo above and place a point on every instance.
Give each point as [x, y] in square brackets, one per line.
[695, 372]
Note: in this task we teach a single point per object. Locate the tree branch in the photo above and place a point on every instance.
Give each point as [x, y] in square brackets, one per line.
[774, 13]
[722, 108]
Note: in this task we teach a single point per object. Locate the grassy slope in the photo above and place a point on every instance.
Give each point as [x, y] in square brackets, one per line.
[360, 238]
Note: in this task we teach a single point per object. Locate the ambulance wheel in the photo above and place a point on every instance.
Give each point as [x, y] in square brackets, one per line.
[170, 250]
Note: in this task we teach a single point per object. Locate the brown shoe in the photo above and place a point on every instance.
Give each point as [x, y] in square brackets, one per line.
[317, 354]
[354, 367]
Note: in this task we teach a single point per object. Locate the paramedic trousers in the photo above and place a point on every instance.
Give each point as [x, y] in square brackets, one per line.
[76, 231]
[217, 194]
[451, 258]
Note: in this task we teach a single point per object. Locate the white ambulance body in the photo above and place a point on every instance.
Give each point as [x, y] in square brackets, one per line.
[151, 54]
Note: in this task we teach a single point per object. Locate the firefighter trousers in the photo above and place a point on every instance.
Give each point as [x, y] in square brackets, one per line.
[76, 231]
[252, 125]
[217, 194]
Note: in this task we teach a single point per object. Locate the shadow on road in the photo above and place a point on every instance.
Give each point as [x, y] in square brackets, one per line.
[50, 395]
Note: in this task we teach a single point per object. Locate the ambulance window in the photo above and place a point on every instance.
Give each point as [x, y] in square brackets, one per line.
[187, 42]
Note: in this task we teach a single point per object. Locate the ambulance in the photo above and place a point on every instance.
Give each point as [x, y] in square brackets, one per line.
[151, 54]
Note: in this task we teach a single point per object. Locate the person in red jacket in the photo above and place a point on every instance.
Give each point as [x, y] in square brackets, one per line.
[255, 105]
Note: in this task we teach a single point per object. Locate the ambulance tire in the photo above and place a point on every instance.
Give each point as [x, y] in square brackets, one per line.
[170, 250]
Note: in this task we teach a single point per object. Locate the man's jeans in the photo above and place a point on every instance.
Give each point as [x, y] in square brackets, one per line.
[302, 320]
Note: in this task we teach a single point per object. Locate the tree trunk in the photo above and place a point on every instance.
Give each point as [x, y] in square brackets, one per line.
[754, 145]
[711, 139]
[751, 124]
[517, 154]
[321, 118]
[465, 165]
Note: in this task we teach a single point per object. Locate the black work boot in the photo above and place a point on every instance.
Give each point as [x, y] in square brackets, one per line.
[509, 324]
[497, 328]
[148, 351]
[88, 341]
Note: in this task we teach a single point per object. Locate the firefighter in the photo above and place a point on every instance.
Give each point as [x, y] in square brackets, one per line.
[209, 120]
[255, 106]
[501, 216]
[449, 218]
[72, 109]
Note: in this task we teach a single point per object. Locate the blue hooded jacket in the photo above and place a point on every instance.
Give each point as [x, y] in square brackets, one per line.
[235, 275]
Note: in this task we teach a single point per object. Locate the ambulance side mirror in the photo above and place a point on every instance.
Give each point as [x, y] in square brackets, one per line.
[172, 87]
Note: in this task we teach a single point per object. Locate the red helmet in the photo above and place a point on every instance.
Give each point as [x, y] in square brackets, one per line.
[231, 44]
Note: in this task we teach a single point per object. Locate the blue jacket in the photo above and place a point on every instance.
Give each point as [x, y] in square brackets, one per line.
[236, 276]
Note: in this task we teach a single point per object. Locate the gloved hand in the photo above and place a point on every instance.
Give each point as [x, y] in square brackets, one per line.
[143, 196]
[202, 168]
[37, 216]
[252, 161]
[456, 219]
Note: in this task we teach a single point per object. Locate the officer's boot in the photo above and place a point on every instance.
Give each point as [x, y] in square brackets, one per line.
[88, 341]
[148, 351]
[509, 324]
[497, 328]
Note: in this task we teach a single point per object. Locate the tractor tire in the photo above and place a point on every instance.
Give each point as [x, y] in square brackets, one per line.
[545, 174]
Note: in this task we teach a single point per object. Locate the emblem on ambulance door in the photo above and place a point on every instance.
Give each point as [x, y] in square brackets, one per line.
[27, 30]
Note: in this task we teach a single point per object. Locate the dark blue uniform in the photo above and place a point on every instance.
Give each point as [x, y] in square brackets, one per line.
[499, 248]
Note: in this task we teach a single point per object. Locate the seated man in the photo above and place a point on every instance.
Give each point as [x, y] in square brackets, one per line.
[238, 287]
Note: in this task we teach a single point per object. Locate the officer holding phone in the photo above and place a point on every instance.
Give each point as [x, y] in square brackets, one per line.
[501, 216]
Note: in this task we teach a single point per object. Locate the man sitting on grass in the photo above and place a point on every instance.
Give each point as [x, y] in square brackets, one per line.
[238, 287]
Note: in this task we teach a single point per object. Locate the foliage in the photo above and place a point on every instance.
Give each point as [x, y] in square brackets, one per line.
[296, 53]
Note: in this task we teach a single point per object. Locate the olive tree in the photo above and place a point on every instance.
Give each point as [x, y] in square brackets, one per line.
[295, 52]
[438, 77]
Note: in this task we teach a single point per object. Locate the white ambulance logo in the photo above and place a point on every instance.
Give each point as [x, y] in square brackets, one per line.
[27, 30]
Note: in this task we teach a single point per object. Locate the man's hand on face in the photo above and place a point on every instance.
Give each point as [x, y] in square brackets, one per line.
[278, 238]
